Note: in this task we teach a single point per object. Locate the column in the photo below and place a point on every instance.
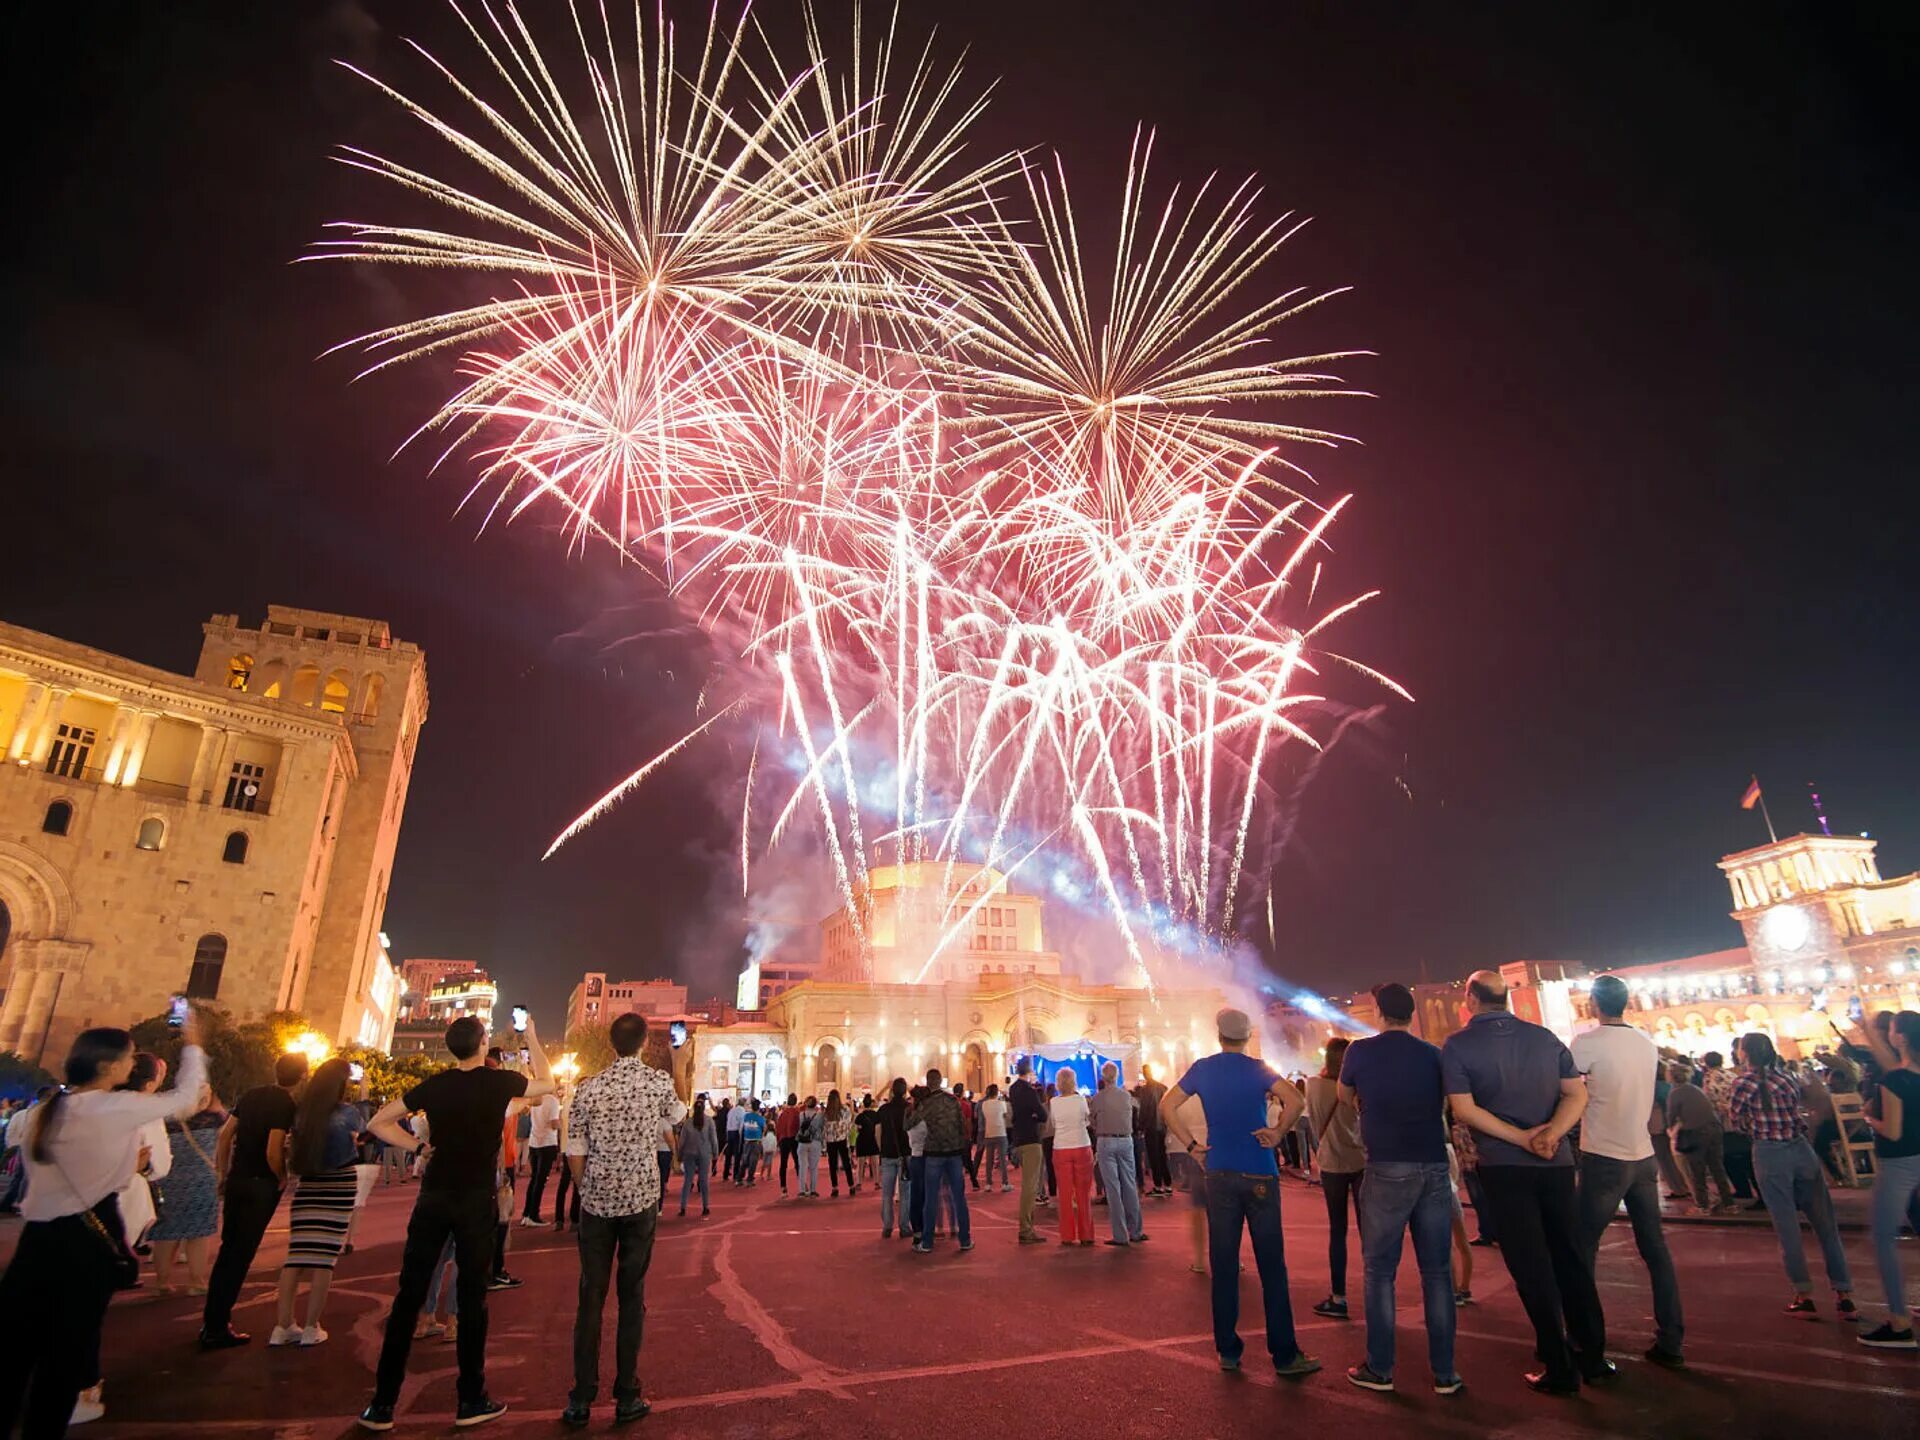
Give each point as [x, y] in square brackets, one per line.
[39, 1014]
[13, 1013]
[137, 750]
[29, 717]
[282, 773]
[123, 718]
[49, 722]
[202, 760]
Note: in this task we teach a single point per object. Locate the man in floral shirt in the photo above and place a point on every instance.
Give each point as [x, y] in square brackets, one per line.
[612, 1130]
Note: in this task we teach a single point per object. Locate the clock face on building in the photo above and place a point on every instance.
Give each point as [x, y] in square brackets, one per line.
[1787, 928]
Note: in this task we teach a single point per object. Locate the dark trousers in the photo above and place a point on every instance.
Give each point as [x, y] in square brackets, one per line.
[1537, 1218]
[469, 1217]
[732, 1154]
[1739, 1155]
[247, 1207]
[562, 1208]
[839, 1158]
[1604, 1183]
[665, 1157]
[1234, 1200]
[53, 1301]
[917, 1194]
[1157, 1160]
[1477, 1194]
[539, 1166]
[1046, 1154]
[602, 1238]
[789, 1150]
[1341, 1188]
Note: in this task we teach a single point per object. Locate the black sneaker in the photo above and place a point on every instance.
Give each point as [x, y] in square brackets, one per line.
[478, 1412]
[576, 1416]
[503, 1281]
[627, 1411]
[1844, 1308]
[1667, 1358]
[376, 1417]
[1367, 1378]
[1803, 1305]
[1334, 1309]
[226, 1339]
[1301, 1364]
[1451, 1386]
[1888, 1338]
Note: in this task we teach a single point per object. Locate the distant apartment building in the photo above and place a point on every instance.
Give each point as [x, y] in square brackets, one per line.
[598, 1001]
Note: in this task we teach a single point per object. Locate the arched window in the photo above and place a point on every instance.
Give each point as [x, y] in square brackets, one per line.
[269, 680]
[235, 852]
[334, 698]
[743, 1075]
[827, 1066]
[58, 817]
[153, 833]
[239, 667]
[306, 685]
[203, 983]
[370, 697]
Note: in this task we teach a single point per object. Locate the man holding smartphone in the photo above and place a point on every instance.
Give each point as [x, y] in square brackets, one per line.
[466, 1109]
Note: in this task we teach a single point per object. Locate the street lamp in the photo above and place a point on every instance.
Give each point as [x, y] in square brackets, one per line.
[310, 1043]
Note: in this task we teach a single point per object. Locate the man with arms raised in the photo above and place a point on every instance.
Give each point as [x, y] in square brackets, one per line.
[466, 1109]
[1243, 1186]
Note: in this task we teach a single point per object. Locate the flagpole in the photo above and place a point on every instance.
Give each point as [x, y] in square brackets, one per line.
[1775, 839]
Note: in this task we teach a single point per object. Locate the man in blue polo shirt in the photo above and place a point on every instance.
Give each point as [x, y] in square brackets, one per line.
[1243, 1186]
[1395, 1080]
[1515, 1085]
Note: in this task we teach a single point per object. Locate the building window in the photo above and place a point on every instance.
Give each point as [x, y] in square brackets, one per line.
[209, 956]
[153, 831]
[72, 744]
[333, 698]
[243, 786]
[58, 817]
[235, 852]
[239, 668]
[306, 686]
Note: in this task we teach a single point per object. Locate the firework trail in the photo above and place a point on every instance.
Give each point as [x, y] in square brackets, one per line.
[995, 534]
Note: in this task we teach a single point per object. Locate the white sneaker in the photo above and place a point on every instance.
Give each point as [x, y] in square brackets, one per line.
[284, 1335]
[313, 1335]
[527, 1222]
[87, 1407]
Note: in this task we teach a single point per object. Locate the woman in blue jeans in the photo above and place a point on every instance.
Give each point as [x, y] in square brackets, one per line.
[699, 1143]
[1765, 1104]
[1896, 1164]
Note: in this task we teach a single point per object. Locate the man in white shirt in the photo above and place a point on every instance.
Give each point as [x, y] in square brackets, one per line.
[1616, 1152]
[543, 1148]
[994, 1112]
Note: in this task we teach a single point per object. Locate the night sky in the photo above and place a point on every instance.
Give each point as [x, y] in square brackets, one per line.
[1638, 484]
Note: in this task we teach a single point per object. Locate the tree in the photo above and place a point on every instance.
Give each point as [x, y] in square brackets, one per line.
[20, 1078]
[592, 1047]
[239, 1056]
[391, 1075]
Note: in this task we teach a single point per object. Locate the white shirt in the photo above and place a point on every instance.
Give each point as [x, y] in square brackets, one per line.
[545, 1128]
[996, 1112]
[1619, 1063]
[1070, 1122]
[735, 1118]
[96, 1141]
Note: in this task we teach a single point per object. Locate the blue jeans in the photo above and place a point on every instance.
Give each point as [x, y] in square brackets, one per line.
[949, 1171]
[1895, 1182]
[916, 1191]
[1604, 1183]
[1396, 1194]
[810, 1167]
[1233, 1200]
[1115, 1154]
[893, 1181]
[1790, 1183]
[694, 1170]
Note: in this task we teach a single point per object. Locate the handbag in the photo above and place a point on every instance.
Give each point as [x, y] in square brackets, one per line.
[123, 1266]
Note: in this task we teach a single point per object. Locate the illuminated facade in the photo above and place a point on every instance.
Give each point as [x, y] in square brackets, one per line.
[598, 1001]
[229, 833]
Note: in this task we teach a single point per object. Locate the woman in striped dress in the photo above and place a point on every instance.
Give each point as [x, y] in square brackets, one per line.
[321, 1154]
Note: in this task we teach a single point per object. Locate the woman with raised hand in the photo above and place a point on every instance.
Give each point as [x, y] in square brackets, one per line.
[326, 1131]
[83, 1144]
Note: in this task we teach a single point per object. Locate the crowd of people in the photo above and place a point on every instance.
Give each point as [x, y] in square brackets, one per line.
[1549, 1141]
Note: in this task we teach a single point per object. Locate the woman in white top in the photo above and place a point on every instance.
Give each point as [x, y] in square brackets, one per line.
[83, 1144]
[1072, 1159]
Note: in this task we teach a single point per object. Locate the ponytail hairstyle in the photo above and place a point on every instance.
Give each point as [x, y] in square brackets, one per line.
[1757, 1050]
[93, 1051]
[324, 1094]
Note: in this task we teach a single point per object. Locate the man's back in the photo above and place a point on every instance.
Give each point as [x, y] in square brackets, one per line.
[1233, 1088]
[1620, 1063]
[1512, 1069]
[466, 1114]
[259, 1112]
[1397, 1077]
[939, 1111]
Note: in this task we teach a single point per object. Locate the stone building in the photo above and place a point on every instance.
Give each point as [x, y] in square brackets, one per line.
[228, 833]
[598, 1001]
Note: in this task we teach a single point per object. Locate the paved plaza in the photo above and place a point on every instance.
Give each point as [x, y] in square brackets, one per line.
[783, 1318]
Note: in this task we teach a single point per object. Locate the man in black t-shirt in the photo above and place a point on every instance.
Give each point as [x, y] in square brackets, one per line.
[250, 1164]
[466, 1109]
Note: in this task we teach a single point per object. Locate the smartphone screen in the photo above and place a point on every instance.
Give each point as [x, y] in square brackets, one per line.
[177, 1011]
[1856, 1012]
[519, 1017]
[677, 1033]
[357, 1073]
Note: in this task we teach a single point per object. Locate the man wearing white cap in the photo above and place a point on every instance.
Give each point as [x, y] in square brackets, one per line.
[1243, 1186]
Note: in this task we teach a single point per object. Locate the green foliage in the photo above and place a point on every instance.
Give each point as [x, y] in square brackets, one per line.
[391, 1075]
[239, 1056]
[20, 1076]
[591, 1046]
